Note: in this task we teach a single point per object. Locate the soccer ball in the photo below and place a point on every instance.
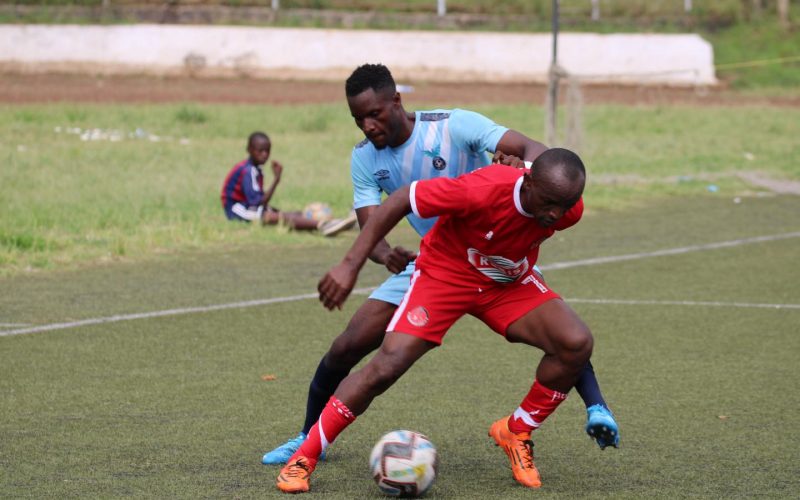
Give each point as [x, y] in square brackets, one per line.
[404, 464]
[318, 211]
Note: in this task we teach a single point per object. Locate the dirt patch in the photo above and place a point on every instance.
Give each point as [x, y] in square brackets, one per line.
[42, 88]
[777, 186]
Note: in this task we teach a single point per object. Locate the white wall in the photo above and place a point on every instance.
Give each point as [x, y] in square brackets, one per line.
[332, 54]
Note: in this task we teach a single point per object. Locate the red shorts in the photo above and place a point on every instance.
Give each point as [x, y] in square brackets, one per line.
[430, 306]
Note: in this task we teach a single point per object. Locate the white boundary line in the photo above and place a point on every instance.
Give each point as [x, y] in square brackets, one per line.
[669, 251]
[167, 312]
[624, 302]
[554, 266]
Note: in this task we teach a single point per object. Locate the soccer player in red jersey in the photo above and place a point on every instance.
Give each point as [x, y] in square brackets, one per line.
[478, 260]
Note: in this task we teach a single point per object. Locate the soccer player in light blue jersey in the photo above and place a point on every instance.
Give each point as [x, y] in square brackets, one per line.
[401, 147]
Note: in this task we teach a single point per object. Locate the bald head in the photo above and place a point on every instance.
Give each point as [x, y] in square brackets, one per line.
[553, 186]
[560, 173]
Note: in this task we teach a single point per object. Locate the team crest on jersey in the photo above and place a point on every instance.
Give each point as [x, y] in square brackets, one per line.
[418, 316]
[497, 267]
[437, 161]
[381, 175]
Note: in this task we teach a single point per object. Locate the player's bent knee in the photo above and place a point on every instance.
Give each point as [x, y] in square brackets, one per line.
[576, 346]
[380, 375]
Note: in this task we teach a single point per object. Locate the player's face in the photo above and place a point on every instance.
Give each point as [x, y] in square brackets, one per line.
[259, 150]
[379, 116]
[548, 200]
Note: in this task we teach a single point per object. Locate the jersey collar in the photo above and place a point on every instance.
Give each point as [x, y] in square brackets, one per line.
[517, 202]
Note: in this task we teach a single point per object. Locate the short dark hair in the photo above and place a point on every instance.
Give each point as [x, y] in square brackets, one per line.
[568, 162]
[369, 76]
[257, 135]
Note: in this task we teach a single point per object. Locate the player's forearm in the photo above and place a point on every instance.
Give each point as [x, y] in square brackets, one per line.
[371, 240]
[532, 150]
[381, 252]
[269, 192]
[521, 146]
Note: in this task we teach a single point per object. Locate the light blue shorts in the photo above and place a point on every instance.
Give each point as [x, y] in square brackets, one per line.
[395, 287]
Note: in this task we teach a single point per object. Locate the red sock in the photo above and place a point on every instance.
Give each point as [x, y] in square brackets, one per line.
[537, 406]
[333, 420]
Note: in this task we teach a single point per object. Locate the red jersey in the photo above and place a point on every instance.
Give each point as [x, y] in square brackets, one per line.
[483, 236]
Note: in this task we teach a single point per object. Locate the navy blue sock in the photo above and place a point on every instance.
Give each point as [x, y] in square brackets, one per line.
[588, 388]
[320, 390]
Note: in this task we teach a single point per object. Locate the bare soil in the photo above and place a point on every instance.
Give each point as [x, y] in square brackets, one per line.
[18, 88]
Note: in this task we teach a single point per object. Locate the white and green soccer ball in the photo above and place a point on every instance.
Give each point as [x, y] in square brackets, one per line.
[404, 463]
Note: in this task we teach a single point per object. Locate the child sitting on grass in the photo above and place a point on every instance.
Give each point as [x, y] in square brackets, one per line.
[244, 198]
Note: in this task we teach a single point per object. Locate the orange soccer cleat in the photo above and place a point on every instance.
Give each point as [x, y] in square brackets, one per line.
[519, 449]
[295, 475]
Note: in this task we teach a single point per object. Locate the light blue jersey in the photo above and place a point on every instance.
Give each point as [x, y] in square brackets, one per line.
[444, 143]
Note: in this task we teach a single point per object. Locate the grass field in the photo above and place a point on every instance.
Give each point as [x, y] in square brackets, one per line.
[132, 366]
[87, 184]
[175, 406]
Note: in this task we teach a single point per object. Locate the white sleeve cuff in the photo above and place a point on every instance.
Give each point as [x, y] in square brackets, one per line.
[412, 197]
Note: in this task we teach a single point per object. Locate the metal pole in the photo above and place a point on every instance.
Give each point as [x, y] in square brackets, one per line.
[552, 91]
[595, 10]
[276, 4]
[441, 7]
[555, 33]
[687, 5]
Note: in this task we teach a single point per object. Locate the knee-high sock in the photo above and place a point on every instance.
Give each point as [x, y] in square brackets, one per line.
[588, 388]
[334, 419]
[537, 406]
[320, 390]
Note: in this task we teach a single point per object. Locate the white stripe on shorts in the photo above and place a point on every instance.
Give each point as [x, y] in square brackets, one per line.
[402, 307]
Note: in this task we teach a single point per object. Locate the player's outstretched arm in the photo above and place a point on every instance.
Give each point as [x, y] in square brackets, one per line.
[517, 144]
[337, 283]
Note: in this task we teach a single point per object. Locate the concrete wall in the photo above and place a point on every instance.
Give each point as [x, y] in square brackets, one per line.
[332, 54]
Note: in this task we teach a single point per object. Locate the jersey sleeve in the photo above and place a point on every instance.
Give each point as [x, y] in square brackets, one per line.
[366, 191]
[570, 218]
[474, 132]
[442, 196]
[250, 187]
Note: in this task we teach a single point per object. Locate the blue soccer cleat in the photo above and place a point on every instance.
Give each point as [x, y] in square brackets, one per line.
[601, 426]
[284, 452]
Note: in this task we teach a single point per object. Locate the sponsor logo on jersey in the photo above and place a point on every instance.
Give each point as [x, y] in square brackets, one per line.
[418, 316]
[497, 267]
[381, 175]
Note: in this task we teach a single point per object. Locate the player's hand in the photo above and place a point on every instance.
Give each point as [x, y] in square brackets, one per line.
[510, 160]
[336, 285]
[398, 259]
[277, 169]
